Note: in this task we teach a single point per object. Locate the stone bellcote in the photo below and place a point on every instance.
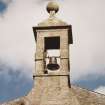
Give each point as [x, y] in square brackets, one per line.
[53, 37]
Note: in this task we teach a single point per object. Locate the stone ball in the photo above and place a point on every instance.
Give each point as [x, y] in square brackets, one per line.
[52, 6]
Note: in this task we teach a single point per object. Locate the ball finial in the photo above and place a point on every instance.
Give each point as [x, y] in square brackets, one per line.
[52, 6]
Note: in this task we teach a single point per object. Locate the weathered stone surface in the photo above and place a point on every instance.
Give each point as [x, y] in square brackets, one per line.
[55, 95]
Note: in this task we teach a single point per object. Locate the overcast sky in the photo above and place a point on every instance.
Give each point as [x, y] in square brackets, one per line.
[17, 44]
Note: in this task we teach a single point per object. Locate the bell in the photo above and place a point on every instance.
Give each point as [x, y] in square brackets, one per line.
[52, 63]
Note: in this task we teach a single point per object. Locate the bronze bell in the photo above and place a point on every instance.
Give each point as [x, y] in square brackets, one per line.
[52, 63]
